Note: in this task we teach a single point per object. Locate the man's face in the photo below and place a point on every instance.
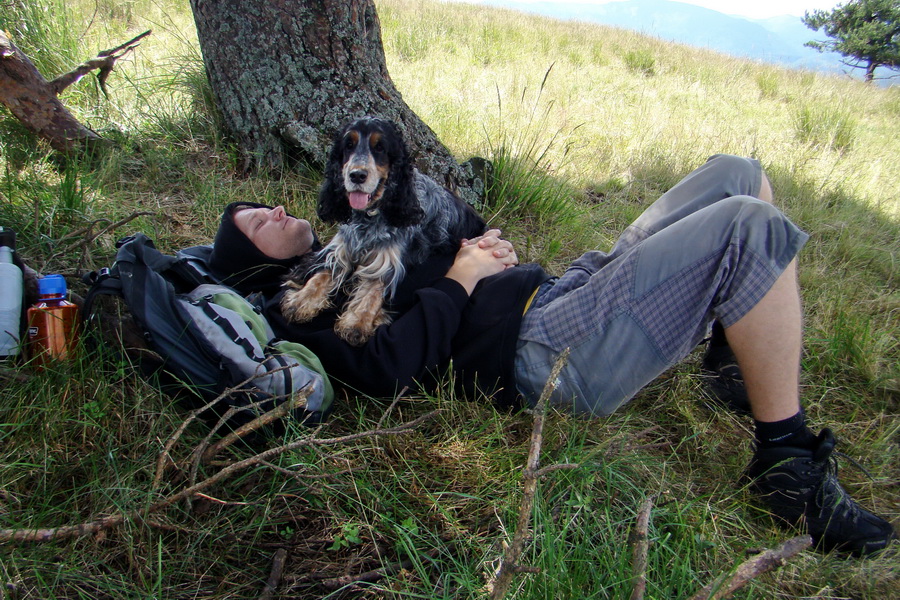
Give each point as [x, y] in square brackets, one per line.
[275, 233]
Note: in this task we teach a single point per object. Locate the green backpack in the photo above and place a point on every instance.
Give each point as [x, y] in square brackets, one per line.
[206, 338]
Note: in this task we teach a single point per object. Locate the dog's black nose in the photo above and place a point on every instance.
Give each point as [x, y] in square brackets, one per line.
[358, 176]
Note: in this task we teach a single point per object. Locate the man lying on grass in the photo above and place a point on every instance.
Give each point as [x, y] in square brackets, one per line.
[712, 250]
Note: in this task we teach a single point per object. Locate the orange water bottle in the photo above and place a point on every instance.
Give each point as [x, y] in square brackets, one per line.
[52, 322]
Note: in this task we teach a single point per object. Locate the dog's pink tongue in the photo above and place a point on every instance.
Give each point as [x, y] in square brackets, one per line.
[358, 200]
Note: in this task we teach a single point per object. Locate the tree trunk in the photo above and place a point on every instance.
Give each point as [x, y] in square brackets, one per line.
[288, 73]
[870, 71]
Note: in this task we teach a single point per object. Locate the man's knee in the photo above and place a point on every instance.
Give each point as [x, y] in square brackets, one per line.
[744, 175]
[759, 225]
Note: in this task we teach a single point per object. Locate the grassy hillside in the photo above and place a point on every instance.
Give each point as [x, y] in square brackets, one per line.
[587, 125]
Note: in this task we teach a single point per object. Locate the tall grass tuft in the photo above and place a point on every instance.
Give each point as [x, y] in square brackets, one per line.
[523, 188]
[767, 82]
[825, 126]
[640, 61]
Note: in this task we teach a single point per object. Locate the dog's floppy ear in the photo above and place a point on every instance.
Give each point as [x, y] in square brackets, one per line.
[332, 206]
[399, 204]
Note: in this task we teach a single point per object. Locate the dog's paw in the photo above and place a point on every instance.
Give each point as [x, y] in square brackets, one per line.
[356, 330]
[354, 337]
[299, 306]
[352, 330]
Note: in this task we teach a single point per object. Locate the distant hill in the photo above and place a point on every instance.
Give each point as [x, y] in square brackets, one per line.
[777, 40]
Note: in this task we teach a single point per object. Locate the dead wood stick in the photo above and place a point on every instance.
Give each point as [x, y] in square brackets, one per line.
[393, 404]
[165, 456]
[509, 562]
[204, 444]
[105, 61]
[204, 453]
[35, 103]
[641, 545]
[68, 531]
[724, 587]
[302, 476]
[374, 575]
[89, 236]
[274, 575]
[281, 410]
[550, 468]
[14, 375]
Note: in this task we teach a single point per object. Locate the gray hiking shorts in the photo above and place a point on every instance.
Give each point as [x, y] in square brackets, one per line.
[707, 250]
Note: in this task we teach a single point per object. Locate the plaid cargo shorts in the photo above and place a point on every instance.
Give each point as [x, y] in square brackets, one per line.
[706, 250]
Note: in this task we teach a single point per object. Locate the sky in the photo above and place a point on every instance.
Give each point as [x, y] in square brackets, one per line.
[755, 9]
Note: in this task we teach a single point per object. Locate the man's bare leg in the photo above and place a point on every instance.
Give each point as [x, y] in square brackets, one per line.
[766, 342]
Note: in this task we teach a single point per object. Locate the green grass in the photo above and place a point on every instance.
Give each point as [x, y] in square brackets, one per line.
[585, 126]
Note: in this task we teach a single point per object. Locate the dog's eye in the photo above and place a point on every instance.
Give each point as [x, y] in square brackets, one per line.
[378, 146]
[349, 143]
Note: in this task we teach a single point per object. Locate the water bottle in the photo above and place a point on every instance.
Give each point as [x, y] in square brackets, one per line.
[52, 322]
[10, 296]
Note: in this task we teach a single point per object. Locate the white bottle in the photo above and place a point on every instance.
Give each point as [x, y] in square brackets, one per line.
[10, 296]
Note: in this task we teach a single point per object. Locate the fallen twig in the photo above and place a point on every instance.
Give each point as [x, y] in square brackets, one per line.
[297, 400]
[275, 575]
[14, 375]
[724, 587]
[509, 562]
[304, 476]
[641, 545]
[393, 404]
[165, 456]
[204, 453]
[374, 575]
[68, 531]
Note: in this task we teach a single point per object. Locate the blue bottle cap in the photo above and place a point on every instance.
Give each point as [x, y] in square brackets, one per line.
[52, 285]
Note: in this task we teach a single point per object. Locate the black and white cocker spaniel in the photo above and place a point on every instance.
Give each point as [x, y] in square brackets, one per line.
[392, 217]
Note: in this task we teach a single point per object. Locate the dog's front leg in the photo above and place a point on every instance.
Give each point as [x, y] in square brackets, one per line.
[363, 314]
[301, 303]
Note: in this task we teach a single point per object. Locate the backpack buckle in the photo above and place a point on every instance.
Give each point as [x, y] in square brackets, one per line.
[95, 276]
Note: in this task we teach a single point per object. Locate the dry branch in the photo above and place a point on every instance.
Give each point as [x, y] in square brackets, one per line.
[274, 575]
[105, 62]
[165, 456]
[68, 531]
[281, 410]
[14, 375]
[33, 100]
[374, 575]
[724, 587]
[641, 541]
[509, 563]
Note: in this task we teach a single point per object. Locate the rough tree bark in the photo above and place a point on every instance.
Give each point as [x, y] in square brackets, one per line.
[34, 101]
[288, 73]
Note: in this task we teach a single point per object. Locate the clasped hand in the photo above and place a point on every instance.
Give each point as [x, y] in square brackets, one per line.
[482, 257]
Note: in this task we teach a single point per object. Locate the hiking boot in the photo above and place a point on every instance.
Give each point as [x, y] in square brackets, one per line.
[800, 487]
[723, 379]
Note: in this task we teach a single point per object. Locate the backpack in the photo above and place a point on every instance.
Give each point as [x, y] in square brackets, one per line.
[196, 339]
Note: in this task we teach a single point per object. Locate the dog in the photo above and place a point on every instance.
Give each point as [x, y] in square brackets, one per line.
[392, 217]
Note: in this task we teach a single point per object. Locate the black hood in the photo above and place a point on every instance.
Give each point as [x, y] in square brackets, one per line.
[238, 263]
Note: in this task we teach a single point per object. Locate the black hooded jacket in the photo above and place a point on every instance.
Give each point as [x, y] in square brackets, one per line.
[435, 323]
